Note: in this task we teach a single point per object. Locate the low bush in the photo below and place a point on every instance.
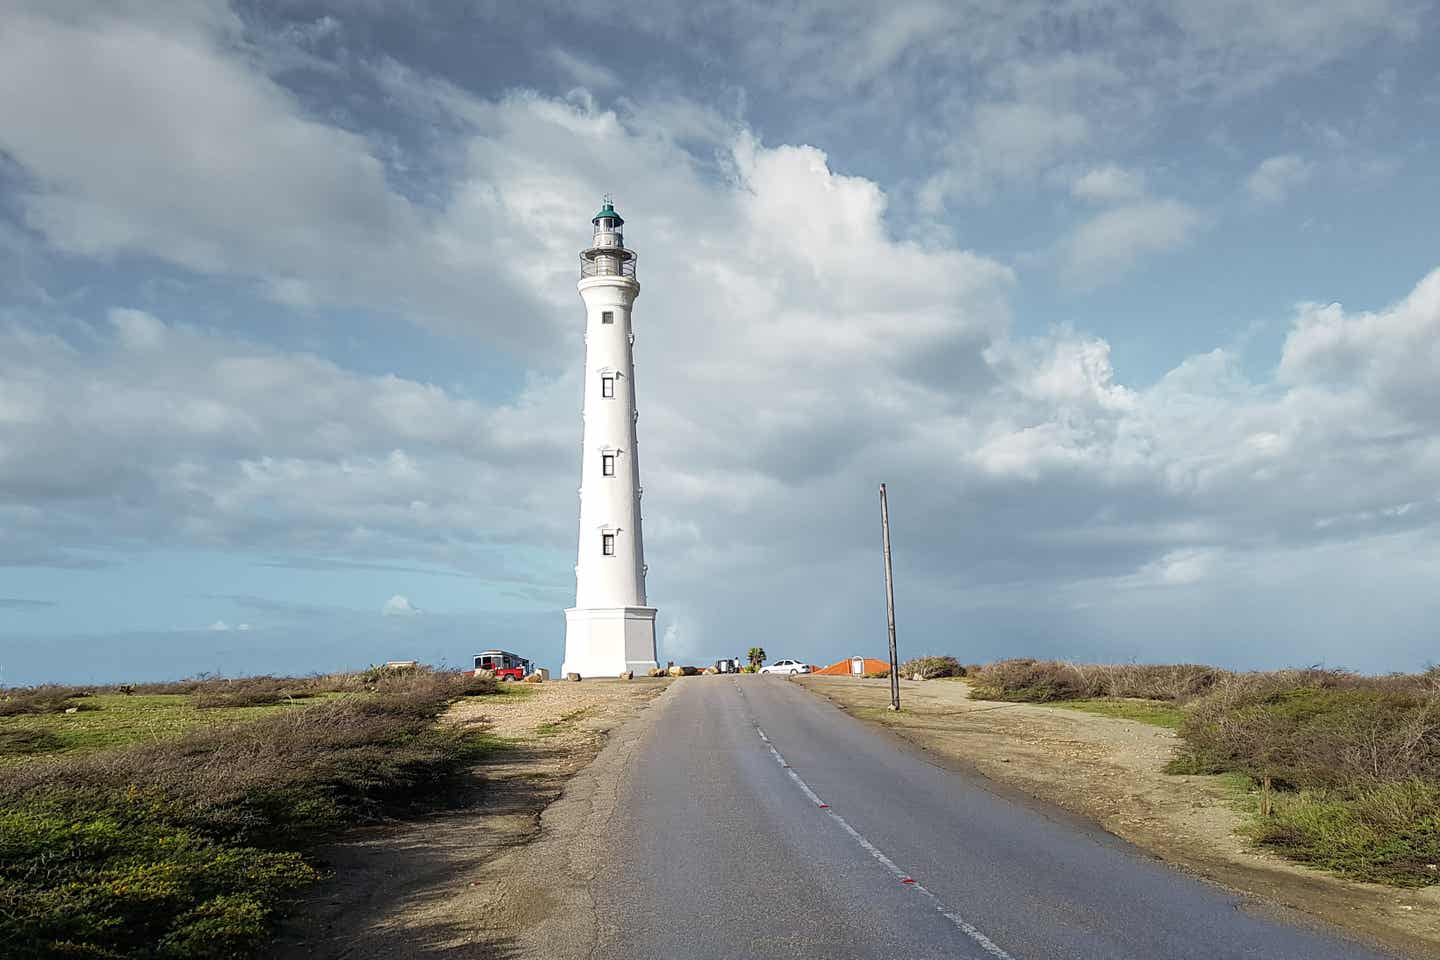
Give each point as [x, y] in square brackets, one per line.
[1353, 764]
[50, 698]
[1045, 681]
[185, 848]
[1035, 681]
[932, 668]
[250, 692]
[1315, 728]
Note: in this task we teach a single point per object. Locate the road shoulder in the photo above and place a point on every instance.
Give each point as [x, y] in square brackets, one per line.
[454, 883]
[1109, 771]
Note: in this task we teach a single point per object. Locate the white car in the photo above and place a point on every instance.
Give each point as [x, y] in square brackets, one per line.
[789, 667]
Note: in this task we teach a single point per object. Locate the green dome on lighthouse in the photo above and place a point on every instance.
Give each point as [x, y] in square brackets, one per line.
[608, 211]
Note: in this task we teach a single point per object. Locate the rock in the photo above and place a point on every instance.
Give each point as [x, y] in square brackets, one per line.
[917, 677]
[711, 670]
[72, 709]
[677, 671]
[485, 674]
[574, 677]
[657, 671]
[628, 675]
[536, 677]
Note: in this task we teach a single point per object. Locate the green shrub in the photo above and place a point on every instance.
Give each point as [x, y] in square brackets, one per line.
[932, 668]
[185, 848]
[1385, 833]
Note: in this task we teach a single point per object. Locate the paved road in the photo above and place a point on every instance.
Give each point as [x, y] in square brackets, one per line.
[722, 849]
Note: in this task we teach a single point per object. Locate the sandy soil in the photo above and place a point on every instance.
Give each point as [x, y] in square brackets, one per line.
[1110, 771]
[427, 888]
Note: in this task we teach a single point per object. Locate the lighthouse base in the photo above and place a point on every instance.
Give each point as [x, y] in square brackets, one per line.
[607, 641]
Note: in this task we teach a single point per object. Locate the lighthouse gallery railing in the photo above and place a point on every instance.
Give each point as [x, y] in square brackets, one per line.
[604, 262]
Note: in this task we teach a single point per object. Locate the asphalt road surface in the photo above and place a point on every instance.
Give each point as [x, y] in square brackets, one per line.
[756, 820]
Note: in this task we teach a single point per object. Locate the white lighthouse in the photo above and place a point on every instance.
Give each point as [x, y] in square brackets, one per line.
[610, 629]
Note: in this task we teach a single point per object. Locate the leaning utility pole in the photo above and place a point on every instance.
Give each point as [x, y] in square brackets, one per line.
[890, 603]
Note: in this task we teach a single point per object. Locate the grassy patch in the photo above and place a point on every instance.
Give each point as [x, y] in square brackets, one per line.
[110, 720]
[1387, 833]
[1155, 712]
[185, 846]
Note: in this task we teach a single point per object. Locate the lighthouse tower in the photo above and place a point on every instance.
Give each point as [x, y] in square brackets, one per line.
[610, 629]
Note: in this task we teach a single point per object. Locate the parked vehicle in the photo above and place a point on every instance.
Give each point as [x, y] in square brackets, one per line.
[788, 667]
[731, 665]
[504, 664]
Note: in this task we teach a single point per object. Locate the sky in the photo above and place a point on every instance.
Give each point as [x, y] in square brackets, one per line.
[1135, 308]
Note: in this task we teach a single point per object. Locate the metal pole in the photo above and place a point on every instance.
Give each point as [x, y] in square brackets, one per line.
[890, 603]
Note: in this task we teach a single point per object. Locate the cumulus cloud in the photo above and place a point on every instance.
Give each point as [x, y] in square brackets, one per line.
[1274, 179]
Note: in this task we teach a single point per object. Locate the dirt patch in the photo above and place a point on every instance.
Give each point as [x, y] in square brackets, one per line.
[422, 888]
[1110, 770]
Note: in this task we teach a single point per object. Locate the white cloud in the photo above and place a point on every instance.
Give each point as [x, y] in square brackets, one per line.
[1110, 243]
[1276, 177]
[399, 606]
[219, 626]
[1109, 184]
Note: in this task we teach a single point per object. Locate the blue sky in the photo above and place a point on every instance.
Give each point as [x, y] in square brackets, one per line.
[1133, 306]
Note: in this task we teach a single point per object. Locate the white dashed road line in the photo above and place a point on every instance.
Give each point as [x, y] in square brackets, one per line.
[963, 925]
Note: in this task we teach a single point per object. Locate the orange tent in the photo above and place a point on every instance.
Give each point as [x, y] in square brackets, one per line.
[846, 668]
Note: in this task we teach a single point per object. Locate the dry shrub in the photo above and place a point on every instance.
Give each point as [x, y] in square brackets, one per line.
[48, 698]
[1316, 728]
[932, 668]
[249, 692]
[1043, 681]
[1034, 681]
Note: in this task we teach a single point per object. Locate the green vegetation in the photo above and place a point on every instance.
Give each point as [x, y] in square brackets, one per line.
[1383, 833]
[756, 656]
[1155, 712]
[1343, 769]
[932, 668]
[107, 720]
[180, 836]
[1349, 766]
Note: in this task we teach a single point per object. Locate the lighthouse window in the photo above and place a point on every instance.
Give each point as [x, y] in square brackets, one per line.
[607, 544]
[607, 387]
[607, 316]
[607, 464]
